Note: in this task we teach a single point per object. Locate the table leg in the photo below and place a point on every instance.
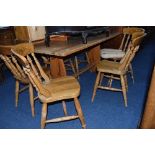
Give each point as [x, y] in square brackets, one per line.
[94, 56]
[57, 67]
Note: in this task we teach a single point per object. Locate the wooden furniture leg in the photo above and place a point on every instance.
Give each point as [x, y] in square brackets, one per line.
[43, 115]
[77, 66]
[94, 56]
[17, 92]
[57, 67]
[101, 79]
[131, 72]
[31, 99]
[96, 85]
[124, 89]
[64, 108]
[80, 113]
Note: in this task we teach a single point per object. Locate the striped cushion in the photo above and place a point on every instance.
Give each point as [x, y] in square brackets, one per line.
[111, 53]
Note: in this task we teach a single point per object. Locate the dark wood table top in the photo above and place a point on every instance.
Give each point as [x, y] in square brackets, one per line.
[65, 48]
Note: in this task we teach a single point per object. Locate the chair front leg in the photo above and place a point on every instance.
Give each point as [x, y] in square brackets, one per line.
[79, 111]
[96, 85]
[43, 115]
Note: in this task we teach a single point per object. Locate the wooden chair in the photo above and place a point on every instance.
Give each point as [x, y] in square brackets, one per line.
[18, 73]
[73, 64]
[107, 68]
[108, 53]
[117, 54]
[49, 91]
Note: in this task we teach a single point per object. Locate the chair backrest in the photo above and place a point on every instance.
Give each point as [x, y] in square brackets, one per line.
[137, 34]
[127, 37]
[132, 49]
[131, 30]
[26, 57]
[12, 64]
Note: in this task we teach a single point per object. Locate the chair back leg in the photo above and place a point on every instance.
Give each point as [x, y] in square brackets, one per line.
[31, 99]
[16, 93]
[64, 108]
[131, 72]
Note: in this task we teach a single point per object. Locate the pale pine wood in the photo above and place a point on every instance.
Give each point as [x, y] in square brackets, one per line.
[109, 88]
[63, 49]
[31, 99]
[72, 66]
[126, 82]
[18, 73]
[77, 65]
[94, 56]
[52, 90]
[61, 119]
[96, 85]
[124, 90]
[43, 115]
[128, 35]
[57, 67]
[64, 108]
[117, 68]
[79, 111]
[17, 92]
[131, 72]
[59, 50]
[78, 61]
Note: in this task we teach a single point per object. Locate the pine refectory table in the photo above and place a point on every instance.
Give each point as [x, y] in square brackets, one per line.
[59, 50]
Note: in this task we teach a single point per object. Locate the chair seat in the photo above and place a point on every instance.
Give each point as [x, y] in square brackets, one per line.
[112, 53]
[109, 67]
[61, 88]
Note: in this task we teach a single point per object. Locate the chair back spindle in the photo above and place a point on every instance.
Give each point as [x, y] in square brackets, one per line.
[132, 49]
[12, 64]
[31, 67]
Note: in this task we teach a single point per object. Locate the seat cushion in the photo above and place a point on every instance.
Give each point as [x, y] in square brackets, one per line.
[61, 88]
[112, 53]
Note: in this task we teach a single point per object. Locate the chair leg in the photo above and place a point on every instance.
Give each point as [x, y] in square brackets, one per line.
[87, 58]
[96, 84]
[124, 89]
[126, 82]
[110, 81]
[31, 99]
[80, 113]
[77, 66]
[72, 66]
[131, 72]
[17, 92]
[43, 115]
[64, 108]
[101, 79]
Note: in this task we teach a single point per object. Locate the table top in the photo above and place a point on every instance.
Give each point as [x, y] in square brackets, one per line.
[65, 48]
